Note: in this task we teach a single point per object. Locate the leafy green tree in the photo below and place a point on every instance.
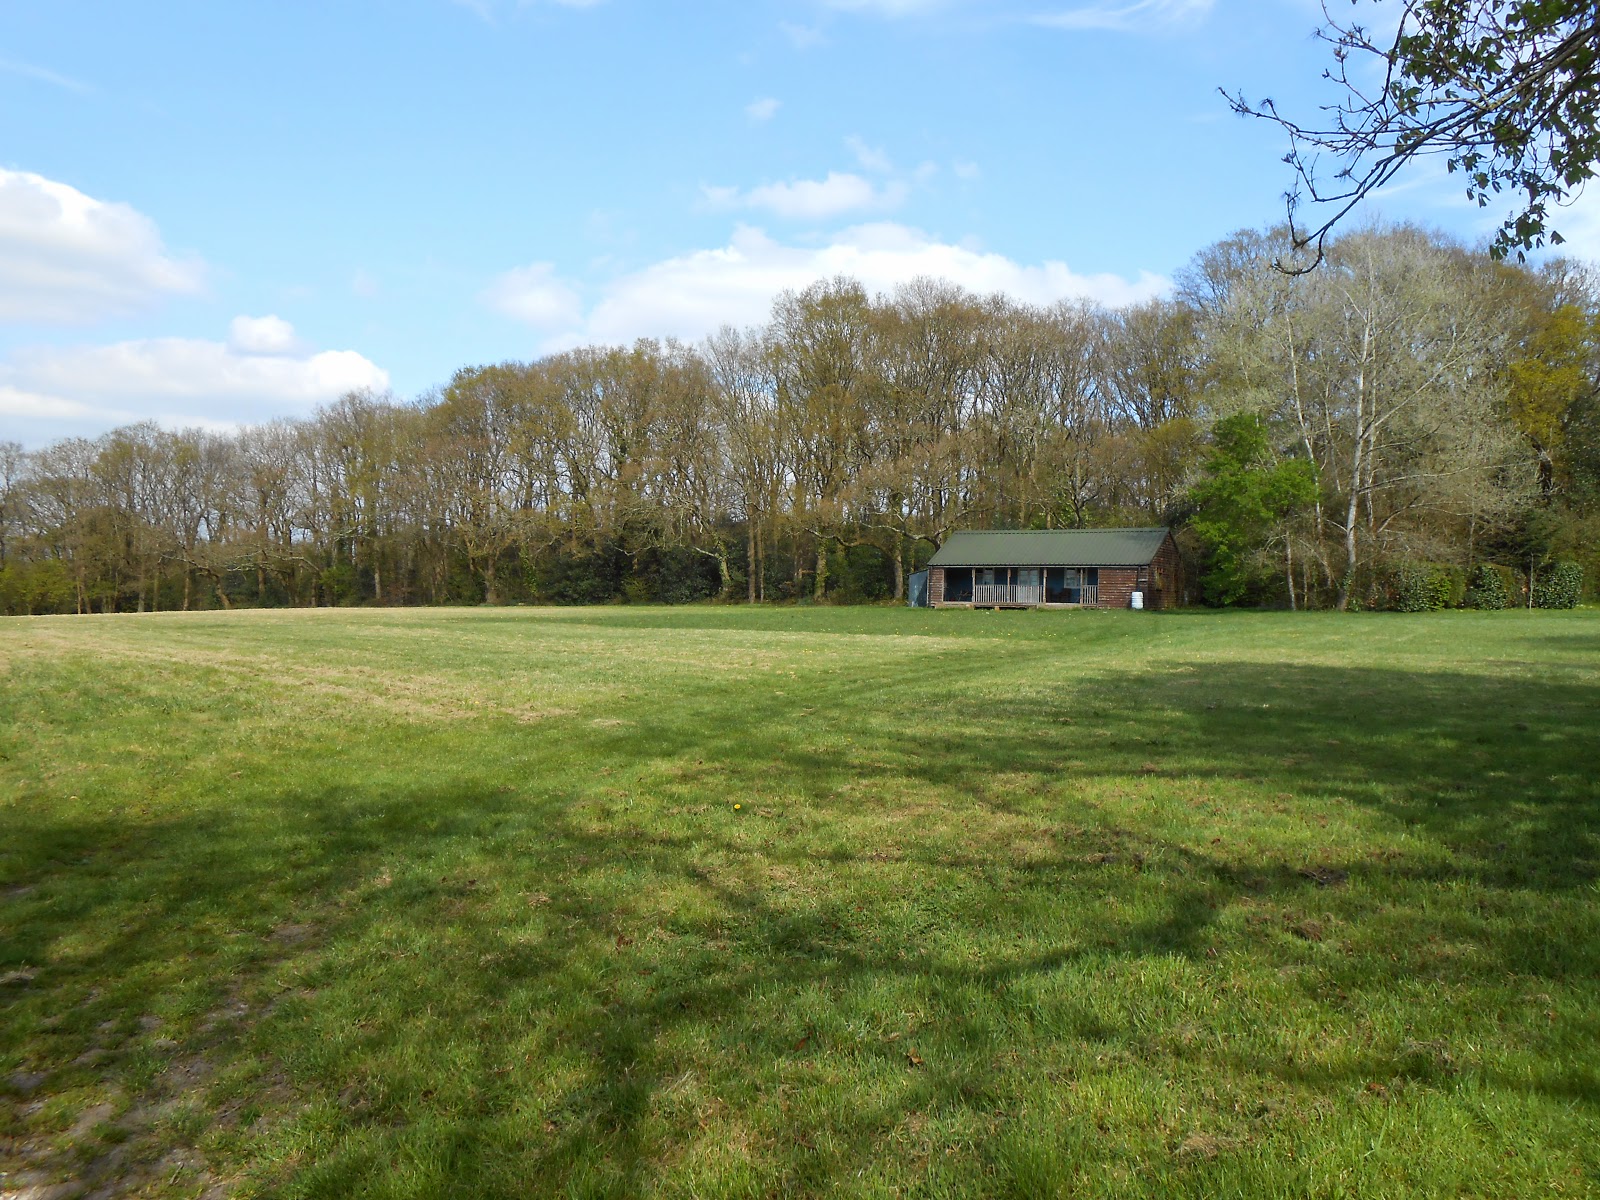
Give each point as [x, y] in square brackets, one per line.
[1242, 504]
[30, 588]
[1504, 90]
[1551, 364]
[1583, 454]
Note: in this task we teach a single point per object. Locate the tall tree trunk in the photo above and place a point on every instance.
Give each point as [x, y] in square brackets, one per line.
[1352, 510]
[899, 568]
[1361, 430]
[1349, 559]
[822, 569]
[751, 566]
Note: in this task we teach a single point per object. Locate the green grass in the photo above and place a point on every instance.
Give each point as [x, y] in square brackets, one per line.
[720, 902]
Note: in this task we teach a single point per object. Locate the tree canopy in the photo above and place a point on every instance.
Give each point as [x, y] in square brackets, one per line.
[1413, 401]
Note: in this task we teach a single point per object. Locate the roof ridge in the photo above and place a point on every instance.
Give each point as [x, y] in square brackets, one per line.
[1128, 545]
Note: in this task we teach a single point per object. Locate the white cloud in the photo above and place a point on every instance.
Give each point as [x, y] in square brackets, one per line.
[694, 294]
[812, 199]
[871, 158]
[1142, 16]
[887, 8]
[31, 406]
[1127, 16]
[802, 37]
[966, 170]
[763, 109]
[536, 296]
[67, 257]
[28, 71]
[262, 335]
[176, 381]
[486, 10]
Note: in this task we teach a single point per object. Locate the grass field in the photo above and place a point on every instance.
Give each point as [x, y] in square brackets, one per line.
[723, 902]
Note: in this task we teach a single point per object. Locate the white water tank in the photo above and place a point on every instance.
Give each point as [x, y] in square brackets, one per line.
[1136, 600]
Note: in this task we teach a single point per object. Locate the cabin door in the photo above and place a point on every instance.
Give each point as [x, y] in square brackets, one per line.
[1030, 586]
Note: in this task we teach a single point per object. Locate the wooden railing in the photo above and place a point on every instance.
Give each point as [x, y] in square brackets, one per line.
[1007, 593]
[1015, 593]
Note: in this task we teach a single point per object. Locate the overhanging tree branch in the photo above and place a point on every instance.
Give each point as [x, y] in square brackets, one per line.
[1505, 90]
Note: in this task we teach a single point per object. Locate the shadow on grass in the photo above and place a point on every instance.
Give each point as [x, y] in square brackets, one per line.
[419, 962]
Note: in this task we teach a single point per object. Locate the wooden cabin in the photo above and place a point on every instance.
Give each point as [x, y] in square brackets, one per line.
[1054, 568]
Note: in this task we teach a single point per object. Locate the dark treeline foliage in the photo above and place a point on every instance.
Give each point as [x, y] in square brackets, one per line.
[1316, 437]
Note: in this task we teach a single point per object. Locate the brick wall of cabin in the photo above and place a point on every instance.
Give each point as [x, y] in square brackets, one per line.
[1117, 586]
[935, 586]
[1167, 582]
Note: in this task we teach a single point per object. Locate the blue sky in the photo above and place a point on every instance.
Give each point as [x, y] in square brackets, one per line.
[220, 213]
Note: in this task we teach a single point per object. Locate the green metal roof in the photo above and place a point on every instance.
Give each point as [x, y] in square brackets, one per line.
[1049, 548]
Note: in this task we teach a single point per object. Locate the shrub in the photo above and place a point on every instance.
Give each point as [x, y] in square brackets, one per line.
[859, 574]
[1512, 584]
[1425, 587]
[682, 576]
[579, 576]
[1455, 579]
[1560, 586]
[1488, 589]
[341, 585]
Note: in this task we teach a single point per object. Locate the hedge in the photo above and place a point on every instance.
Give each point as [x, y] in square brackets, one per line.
[1426, 587]
[1561, 586]
[1492, 587]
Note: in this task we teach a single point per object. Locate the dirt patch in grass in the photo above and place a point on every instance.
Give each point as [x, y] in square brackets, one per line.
[119, 1146]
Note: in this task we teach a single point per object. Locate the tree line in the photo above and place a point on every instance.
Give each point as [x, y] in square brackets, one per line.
[1313, 436]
